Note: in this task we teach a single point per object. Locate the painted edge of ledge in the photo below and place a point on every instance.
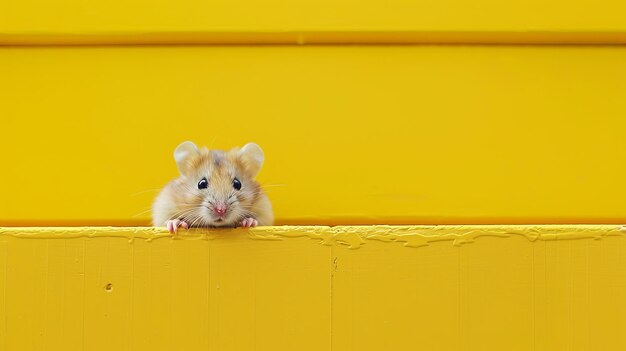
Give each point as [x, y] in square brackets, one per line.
[334, 221]
[312, 38]
[351, 236]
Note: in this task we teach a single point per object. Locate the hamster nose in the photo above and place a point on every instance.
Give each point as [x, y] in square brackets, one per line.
[219, 209]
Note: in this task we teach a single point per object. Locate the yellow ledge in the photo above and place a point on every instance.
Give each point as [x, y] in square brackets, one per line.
[351, 236]
[545, 287]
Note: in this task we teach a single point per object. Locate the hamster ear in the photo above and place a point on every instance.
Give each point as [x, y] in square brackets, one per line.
[252, 156]
[183, 153]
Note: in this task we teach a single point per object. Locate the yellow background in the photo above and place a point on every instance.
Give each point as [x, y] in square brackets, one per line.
[365, 134]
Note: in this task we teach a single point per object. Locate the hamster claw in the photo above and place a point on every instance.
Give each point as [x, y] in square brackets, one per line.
[174, 224]
[249, 222]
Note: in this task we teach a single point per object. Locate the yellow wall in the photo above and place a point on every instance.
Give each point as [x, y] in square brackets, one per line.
[314, 288]
[73, 16]
[368, 134]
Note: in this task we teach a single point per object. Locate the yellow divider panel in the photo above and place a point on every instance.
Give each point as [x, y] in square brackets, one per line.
[402, 134]
[314, 288]
[139, 16]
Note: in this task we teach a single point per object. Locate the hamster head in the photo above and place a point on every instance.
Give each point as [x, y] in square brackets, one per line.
[216, 188]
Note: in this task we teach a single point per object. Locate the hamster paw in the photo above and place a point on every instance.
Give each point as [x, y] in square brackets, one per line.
[174, 224]
[249, 222]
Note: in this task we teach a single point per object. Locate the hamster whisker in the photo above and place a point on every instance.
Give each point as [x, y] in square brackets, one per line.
[191, 219]
[142, 212]
[145, 191]
[193, 224]
[246, 213]
[183, 213]
[254, 193]
[271, 185]
[150, 209]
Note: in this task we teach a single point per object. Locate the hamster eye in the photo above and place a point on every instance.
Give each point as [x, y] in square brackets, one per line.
[236, 184]
[203, 184]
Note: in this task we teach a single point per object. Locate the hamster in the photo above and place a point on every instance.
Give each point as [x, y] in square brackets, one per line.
[215, 189]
